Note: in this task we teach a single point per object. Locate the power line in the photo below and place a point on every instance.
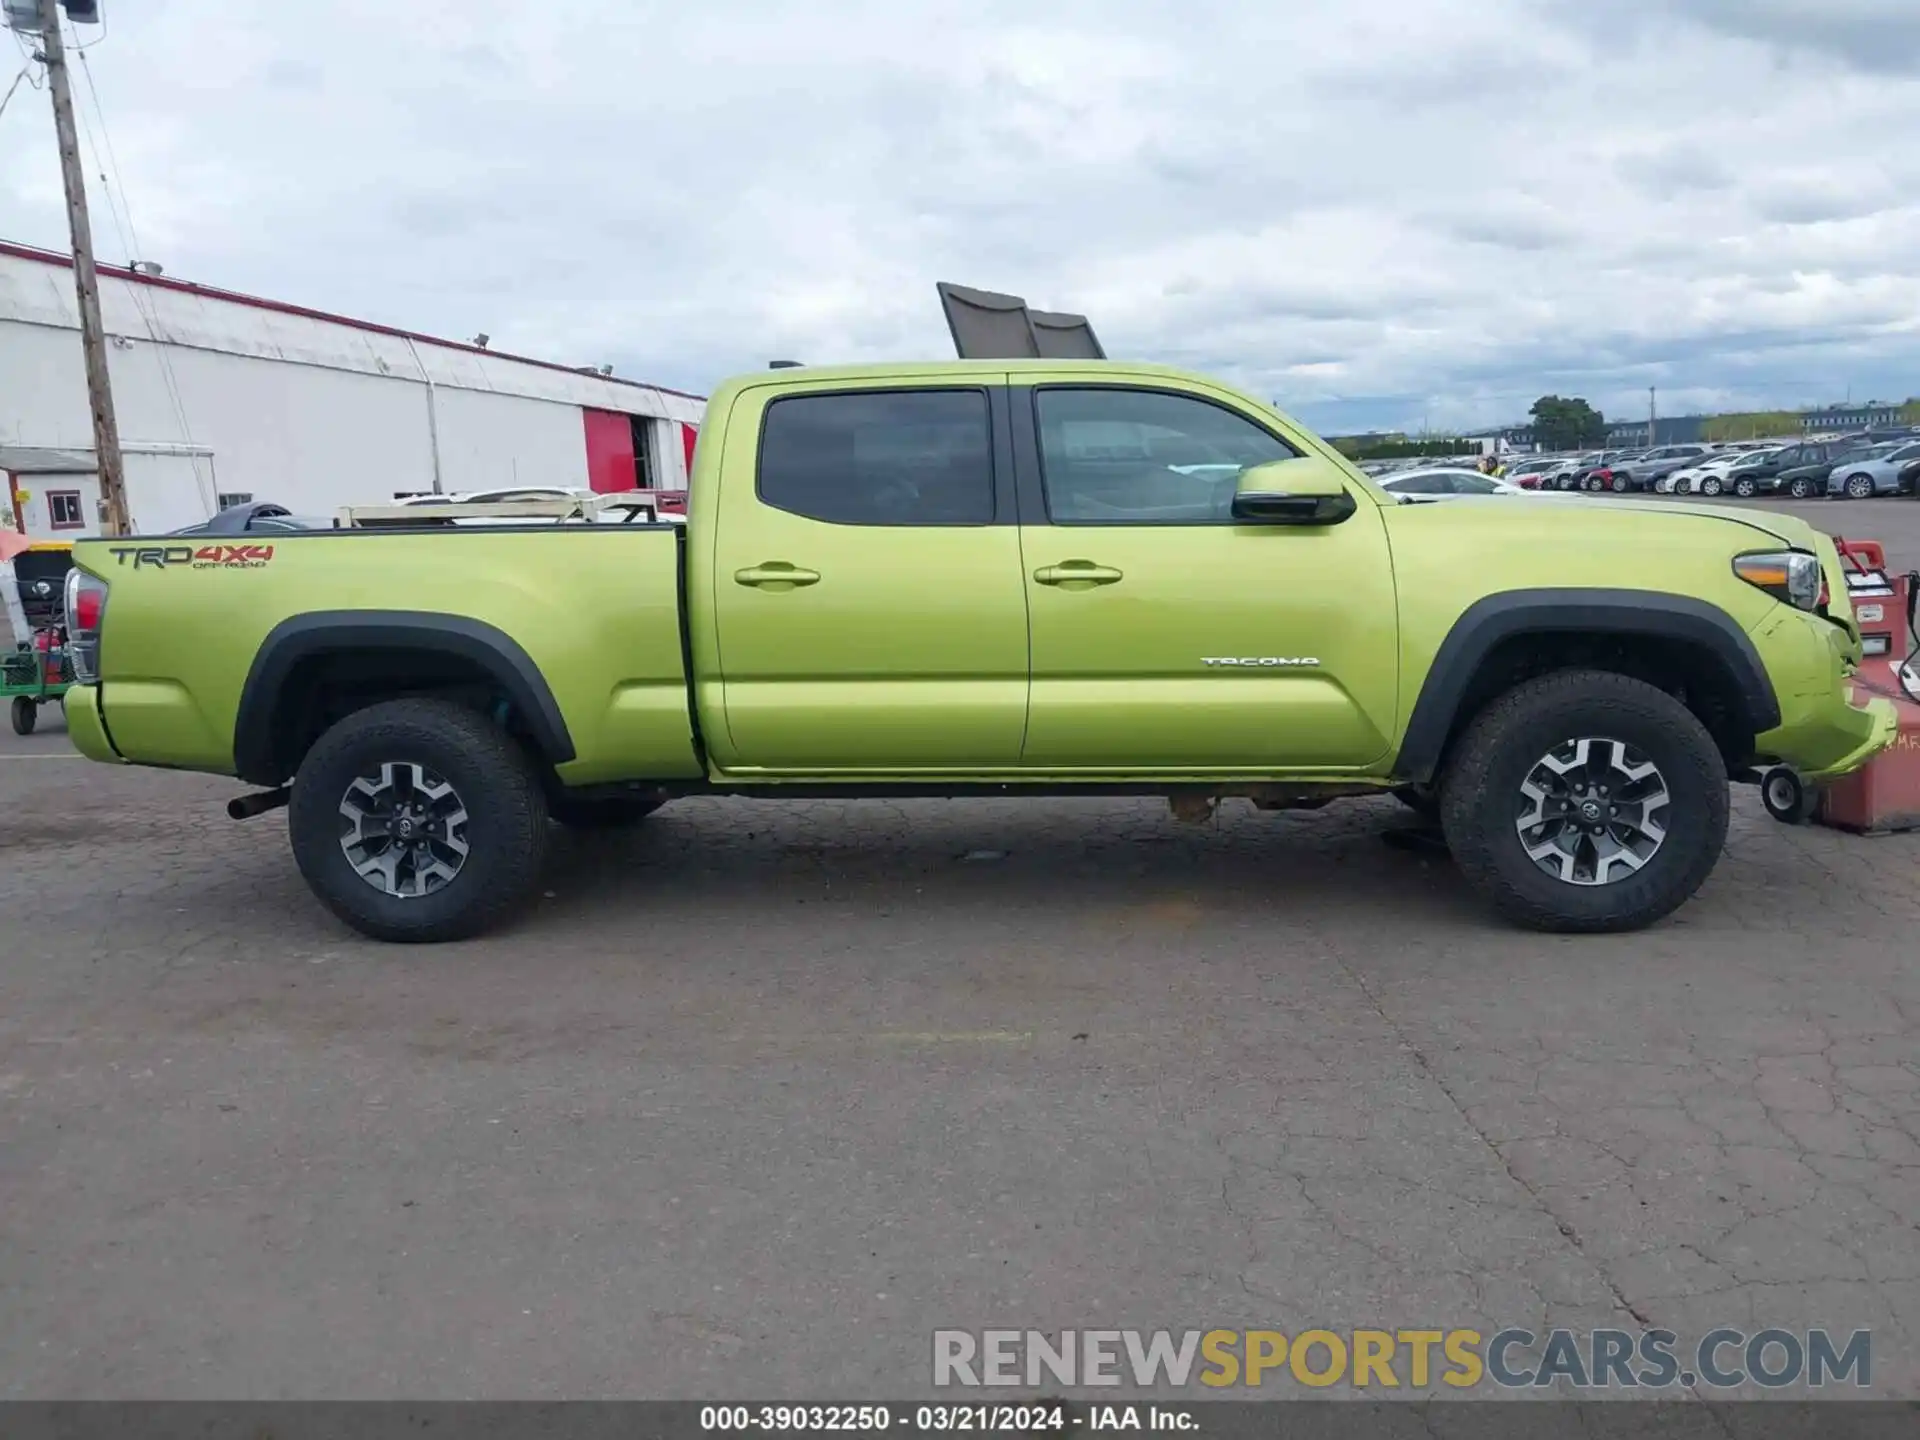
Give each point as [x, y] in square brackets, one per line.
[121, 209]
[13, 87]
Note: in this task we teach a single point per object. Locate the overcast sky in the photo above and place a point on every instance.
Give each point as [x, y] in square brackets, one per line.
[1375, 212]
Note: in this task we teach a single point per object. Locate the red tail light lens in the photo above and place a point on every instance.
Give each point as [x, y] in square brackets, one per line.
[86, 612]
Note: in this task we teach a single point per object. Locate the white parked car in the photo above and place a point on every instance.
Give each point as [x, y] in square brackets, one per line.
[1709, 477]
[495, 497]
[1412, 486]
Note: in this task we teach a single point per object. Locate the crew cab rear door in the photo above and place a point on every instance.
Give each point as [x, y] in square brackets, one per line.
[1168, 638]
[869, 611]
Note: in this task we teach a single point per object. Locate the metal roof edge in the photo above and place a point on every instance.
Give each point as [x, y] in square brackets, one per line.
[235, 297]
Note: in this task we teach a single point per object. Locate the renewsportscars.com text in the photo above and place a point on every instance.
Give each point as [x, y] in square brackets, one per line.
[1511, 1359]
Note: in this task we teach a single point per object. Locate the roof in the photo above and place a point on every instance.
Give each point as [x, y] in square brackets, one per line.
[978, 370]
[281, 307]
[35, 460]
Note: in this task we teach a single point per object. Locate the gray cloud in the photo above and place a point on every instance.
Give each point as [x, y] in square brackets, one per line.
[1412, 209]
[1872, 35]
[1673, 170]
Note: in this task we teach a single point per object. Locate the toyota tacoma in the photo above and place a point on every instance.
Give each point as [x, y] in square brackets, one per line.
[1034, 578]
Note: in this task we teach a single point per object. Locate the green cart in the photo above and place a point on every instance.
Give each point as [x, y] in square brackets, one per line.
[36, 671]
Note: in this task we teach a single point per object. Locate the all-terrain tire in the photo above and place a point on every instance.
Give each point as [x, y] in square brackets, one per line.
[611, 813]
[1481, 800]
[494, 781]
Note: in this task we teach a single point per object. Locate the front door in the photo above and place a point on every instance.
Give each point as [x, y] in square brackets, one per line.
[867, 585]
[1165, 636]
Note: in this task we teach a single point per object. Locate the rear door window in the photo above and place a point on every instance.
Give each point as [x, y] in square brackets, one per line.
[897, 457]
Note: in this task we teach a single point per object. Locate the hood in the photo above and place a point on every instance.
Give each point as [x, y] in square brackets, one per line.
[1795, 532]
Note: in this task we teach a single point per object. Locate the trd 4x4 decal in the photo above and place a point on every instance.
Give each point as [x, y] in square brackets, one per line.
[204, 557]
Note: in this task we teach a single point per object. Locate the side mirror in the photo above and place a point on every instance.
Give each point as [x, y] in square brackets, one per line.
[1304, 491]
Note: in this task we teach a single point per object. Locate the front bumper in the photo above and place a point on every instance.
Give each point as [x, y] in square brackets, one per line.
[1830, 725]
[1876, 728]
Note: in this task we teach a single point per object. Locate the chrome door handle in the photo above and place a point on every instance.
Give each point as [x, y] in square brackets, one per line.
[1076, 575]
[776, 575]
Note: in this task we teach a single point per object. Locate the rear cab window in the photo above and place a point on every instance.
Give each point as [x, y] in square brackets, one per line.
[871, 457]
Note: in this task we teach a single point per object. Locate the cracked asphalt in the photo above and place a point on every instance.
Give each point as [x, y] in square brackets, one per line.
[764, 1093]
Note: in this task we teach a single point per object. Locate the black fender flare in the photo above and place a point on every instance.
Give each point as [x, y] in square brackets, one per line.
[324, 632]
[1488, 622]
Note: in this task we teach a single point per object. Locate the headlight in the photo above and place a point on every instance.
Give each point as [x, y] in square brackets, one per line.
[1790, 575]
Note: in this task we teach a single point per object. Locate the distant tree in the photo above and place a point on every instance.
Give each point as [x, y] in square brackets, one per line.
[1567, 423]
[1753, 425]
[1408, 449]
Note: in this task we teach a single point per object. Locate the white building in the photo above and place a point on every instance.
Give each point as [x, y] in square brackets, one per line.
[224, 398]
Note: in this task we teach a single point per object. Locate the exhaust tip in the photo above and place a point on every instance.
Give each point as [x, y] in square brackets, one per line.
[245, 807]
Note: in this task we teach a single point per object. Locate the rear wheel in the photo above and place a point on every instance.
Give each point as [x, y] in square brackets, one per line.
[1619, 484]
[1712, 485]
[26, 715]
[1586, 801]
[418, 820]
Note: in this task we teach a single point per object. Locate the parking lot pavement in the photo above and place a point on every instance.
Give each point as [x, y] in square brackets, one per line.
[764, 1093]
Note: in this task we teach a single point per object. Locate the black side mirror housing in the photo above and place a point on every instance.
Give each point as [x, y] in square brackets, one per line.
[1267, 507]
[1305, 490]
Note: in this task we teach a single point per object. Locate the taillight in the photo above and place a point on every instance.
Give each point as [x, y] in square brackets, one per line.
[86, 610]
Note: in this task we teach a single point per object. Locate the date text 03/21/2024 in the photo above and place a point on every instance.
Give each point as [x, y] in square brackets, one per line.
[943, 1418]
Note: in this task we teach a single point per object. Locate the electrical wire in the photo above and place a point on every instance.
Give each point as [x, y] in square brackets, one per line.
[24, 69]
[121, 211]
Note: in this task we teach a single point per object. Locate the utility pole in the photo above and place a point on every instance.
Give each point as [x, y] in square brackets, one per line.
[1653, 416]
[93, 338]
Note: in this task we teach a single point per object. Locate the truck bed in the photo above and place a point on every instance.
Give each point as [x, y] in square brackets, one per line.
[581, 624]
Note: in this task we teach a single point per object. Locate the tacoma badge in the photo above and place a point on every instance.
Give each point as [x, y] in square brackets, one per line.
[1261, 660]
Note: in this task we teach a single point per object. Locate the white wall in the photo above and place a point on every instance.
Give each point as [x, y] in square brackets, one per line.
[307, 412]
[488, 440]
[32, 490]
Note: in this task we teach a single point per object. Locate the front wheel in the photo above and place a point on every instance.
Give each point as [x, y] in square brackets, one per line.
[1745, 489]
[26, 715]
[1586, 801]
[418, 820]
[1859, 487]
[1800, 489]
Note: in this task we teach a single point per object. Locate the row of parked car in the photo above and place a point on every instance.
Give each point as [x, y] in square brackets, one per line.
[1855, 468]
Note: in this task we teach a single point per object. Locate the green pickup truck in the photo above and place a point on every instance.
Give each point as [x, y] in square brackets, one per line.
[1029, 577]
